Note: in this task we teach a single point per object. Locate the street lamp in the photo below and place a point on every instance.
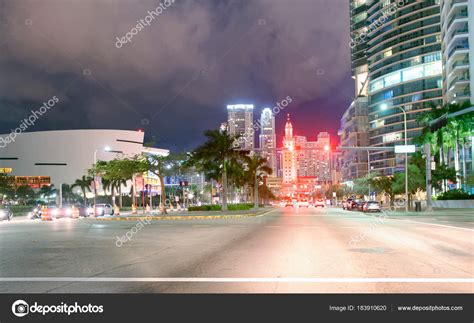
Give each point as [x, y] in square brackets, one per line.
[384, 106]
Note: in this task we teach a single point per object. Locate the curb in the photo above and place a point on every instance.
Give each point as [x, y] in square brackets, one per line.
[184, 217]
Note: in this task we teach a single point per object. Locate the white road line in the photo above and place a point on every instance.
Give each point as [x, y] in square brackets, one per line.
[436, 225]
[237, 280]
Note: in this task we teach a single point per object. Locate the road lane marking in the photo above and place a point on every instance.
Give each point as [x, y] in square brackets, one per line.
[436, 225]
[237, 280]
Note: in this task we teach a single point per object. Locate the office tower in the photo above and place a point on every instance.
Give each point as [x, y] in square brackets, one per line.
[354, 132]
[457, 48]
[323, 162]
[240, 123]
[404, 65]
[268, 139]
[289, 166]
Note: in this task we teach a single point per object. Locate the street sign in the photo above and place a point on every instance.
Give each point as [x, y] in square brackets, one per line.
[402, 149]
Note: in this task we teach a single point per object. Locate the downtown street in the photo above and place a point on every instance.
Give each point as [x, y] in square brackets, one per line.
[280, 250]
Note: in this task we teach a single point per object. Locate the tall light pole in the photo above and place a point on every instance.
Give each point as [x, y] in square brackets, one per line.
[368, 171]
[107, 148]
[384, 107]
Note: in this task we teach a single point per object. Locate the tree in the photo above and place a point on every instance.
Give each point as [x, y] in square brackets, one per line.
[384, 184]
[23, 193]
[441, 175]
[256, 167]
[47, 191]
[416, 181]
[451, 136]
[6, 186]
[162, 166]
[214, 157]
[84, 184]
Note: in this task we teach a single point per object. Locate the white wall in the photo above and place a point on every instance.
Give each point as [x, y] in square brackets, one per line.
[72, 147]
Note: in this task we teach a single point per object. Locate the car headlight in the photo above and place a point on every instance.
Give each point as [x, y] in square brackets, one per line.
[55, 212]
[68, 211]
[3, 213]
[90, 210]
[35, 210]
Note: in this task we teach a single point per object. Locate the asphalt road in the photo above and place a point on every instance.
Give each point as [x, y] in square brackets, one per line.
[286, 250]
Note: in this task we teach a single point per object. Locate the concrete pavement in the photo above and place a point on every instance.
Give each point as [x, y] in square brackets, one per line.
[287, 250]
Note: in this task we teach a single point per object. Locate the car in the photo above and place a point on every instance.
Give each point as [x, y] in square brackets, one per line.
[5, 213]
[319, 203]
[101, 210]
[346, 205]
[372, 206]
[360, 205]
[303, 203]
[289, 204]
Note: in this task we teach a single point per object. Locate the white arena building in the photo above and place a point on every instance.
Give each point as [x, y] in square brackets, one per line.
[61, 157]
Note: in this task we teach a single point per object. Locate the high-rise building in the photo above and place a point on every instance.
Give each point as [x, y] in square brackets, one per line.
[268, 139]
[354, 132]
[240, 123]
[457, 33]
[289, 166]
[323, 161]
[404, 68]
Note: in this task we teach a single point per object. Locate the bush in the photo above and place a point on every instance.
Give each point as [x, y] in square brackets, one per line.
[215, 207]
[455, 195]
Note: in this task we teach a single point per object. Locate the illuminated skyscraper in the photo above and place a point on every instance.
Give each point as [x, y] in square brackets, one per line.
[240, 123]
[289, 167]
[268, 139]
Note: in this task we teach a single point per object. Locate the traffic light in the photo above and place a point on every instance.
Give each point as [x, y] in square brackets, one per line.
[438, 123]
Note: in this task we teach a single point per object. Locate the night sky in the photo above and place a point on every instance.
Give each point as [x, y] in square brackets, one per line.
[176, 76]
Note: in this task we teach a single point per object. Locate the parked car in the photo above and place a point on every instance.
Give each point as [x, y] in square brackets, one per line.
[360, 205]
[319, 203]
[372, 206]
[303, 203]
[289, 204]
[101, 210]
[346, 205]
[5, 213]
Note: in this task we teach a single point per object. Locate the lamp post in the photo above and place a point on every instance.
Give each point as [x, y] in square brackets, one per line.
[106, 148]
[384, 107]
[368, 171]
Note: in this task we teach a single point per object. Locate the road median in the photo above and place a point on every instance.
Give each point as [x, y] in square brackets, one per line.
[237, 215]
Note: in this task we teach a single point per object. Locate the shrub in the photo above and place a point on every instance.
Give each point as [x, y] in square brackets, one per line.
[455, 195]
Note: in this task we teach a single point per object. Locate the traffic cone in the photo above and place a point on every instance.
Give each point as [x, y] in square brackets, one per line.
[147, 210]
[75, 212]
[116, 210]
[46, 214]
[134, 209]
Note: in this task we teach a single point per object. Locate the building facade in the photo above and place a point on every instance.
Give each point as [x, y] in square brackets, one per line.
[457, 49]
[288, 155]
[268, 139]
[240, 123]
[60, 157]
[405, 73]
[354, 132]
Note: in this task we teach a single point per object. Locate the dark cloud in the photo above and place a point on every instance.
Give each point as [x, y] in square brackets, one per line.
[175, 76]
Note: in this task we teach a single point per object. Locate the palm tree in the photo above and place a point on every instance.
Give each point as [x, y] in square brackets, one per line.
[67, 192]
[256, 167]
[84, 183]
[162, 166]
[46, 191]
[214, 157]
[455, 133]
